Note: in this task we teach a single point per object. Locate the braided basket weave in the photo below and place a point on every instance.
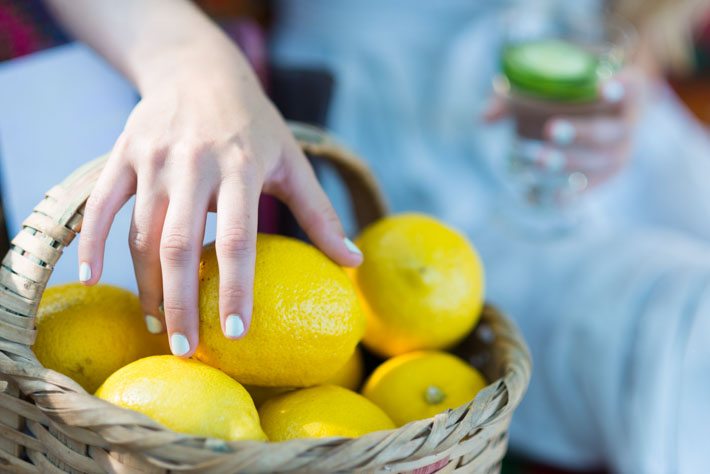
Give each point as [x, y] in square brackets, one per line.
[49, 424]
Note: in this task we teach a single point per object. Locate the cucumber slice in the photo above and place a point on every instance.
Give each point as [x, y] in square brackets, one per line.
[552, 69]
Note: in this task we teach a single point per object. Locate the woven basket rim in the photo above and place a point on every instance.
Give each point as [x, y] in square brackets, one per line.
[503, 382]
[71, 408]
[500, 387]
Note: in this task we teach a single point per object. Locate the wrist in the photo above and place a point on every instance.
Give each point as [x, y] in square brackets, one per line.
[192, 63]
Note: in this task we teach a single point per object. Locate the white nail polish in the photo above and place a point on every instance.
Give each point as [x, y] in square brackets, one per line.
[179, 344]
[153, 324]
[613, 91]
[578, 181]
[84, 272]
[562, 132]
[233, 326]
[352, 247]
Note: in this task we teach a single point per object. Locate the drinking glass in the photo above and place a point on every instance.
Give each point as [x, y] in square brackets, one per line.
[552, 64]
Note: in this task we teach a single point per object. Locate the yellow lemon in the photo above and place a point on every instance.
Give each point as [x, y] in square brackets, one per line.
[306, 319]
[186, 396]
[421, 384]
[421, 284]
[87, 333]
[321, 412]
[261, 394]
[348, 376]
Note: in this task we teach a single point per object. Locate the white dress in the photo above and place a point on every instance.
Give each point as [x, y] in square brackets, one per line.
[617, 313]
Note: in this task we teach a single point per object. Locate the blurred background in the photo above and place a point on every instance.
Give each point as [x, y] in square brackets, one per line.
[27, 27]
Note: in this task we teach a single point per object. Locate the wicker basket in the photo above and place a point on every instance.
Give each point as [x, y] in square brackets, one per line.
[49, 424]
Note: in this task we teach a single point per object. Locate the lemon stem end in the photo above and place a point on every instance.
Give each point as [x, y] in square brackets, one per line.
[433, 395]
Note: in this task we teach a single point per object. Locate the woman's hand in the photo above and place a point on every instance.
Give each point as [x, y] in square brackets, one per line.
[203, 137]
[196, 144]
[591, 149]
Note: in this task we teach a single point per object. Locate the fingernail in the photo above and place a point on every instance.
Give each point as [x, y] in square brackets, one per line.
[153, 324]
[578, 181]
[233, 326]
[562, 132]
[613, 91]
[352, 247]
[179, 344]
[84, 272]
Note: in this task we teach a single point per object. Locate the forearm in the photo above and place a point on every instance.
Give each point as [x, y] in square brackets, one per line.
[151, 40]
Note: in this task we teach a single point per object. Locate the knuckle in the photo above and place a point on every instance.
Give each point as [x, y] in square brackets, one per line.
[247, 162]
[323, 217]
[192, 151]
[235, 243]
[175, 307]
[96, 203]
[244, 169]
[176, 247]
[234, 291]
[149, 301]
[140, 243]
[252, 172]
[143, 147]
[236, 178]
[153, 155]
[123, 143]
[279, 184]
[89, 240]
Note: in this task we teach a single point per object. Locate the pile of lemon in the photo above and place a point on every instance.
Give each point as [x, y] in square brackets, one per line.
[297, 372]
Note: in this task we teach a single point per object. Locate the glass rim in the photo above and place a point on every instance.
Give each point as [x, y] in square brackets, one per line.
[617, 29]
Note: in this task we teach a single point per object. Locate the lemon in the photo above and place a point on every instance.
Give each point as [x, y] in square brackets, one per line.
[306, 319]
[186, 396]
[261, 394]
[321, 412]
[89, 332]
[421, 284]
[421, 384]
[348, 376]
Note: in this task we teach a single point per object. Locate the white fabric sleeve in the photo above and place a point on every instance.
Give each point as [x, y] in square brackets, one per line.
[618, 328]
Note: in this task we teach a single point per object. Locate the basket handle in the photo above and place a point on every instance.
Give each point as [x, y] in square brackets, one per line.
[365, 196]
[56, 220]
